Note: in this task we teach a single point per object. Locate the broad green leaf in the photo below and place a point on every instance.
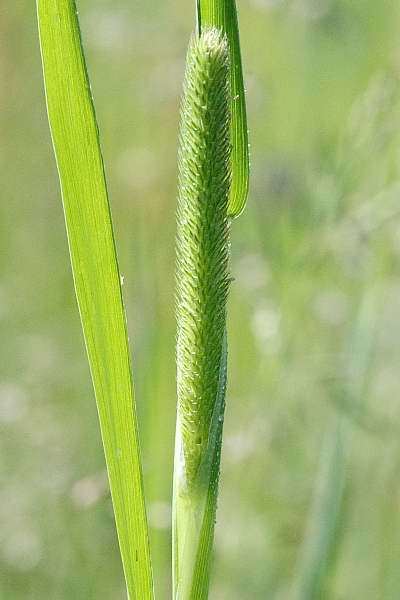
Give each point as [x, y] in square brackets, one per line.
[223, 14]
[96, 276]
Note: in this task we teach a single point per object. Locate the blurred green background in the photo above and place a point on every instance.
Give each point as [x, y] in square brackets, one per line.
[310, 487]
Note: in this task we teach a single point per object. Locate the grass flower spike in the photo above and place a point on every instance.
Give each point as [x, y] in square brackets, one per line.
[202, 288]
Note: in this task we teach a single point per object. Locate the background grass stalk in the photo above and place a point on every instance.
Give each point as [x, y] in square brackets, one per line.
[202, 288]
[96, 276]
[324, 530]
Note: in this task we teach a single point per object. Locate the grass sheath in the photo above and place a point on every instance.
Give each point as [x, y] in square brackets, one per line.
[202, 288]
[96, 276]
[223, 15]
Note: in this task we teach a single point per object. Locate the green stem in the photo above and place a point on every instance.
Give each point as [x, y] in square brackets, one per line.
[195, 510]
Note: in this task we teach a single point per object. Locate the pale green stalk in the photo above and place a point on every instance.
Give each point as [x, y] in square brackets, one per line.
[323, 528]
[202, 288]
[96, 276]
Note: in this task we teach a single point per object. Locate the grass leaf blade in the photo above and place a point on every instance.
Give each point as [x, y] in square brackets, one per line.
[223, 15]
[96, 276]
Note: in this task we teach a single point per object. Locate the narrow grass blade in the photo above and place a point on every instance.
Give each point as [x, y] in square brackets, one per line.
[97, 281]
[222, 14]
[202, 289]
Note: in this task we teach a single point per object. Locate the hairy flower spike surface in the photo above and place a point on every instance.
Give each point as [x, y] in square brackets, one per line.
[202, 241]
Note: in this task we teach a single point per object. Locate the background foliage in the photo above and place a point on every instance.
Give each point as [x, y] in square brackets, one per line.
[311, 455]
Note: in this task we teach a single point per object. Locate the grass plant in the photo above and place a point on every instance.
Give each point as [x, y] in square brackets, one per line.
[322, 233]
[213, 184]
